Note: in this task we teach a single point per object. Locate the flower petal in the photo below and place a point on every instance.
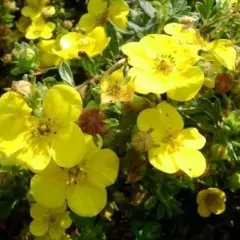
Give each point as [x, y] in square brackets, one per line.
[190, 83]
[161, 159]
[224, 51]
[203, 210]
[190, 161]
[35, 155]
[65, 101]
[64, 220]
[86, 199]
[147, 81]
[13, 103]
[97, 7]
[12, 133]
[68, 145]
[56, 232]
[49, 187]
[38, 211]
[87, 22]
[39, 227]
[191, 138]
[137, 55]
[103, 167]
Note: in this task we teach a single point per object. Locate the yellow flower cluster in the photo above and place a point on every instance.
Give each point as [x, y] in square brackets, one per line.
[168, 64]
[68, 46]
[33, 22]
[68, 165]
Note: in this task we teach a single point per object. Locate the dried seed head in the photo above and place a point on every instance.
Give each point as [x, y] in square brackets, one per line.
[92, 122]
[22, 87]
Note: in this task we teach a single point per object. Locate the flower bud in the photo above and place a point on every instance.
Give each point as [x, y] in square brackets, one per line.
[67, 24]
[187, 20]
[22, 87]
[223, 82]
[142, 142]
[7, 58]
[234, 181]
[219, 151]
[11, 5]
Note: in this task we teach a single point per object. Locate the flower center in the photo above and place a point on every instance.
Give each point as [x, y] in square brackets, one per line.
[76, 174]
[43, 128]
[211, 198]
[164, 64]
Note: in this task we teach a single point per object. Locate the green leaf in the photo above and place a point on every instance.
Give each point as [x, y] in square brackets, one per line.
[150, 202]
[112, 122]
[114, 43]
[160, 211]
[148, 8]
[6, 208]
[49, 81]
[200, 8]
[88, 64]
[66, 73]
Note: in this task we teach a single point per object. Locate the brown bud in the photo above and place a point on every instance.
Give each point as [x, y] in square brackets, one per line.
[11, 5]
[223, 82]
[187, 20]
[67, 24]
[22, 87]
[92, 122]
[7, 58]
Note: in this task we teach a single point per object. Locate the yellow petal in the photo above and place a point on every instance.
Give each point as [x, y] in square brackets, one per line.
[201, 196]
[87, 22]
[224, 51]
[170, 118]
[91, 148]
[191, 138]
[31, 12]
[203, 210]
[102, 168]
[68, 145]
[65, 101]
[38, 211]
[35, 155]
[64, 220]
[190, 161]
[118, 11]
[101, 41]
[13, 103]
[147, 81]
[190, 82]
[12, 133]
[59, 210]
[49, 187]
[86, 199]
[162, 159]
[137, 55]
[154, 43]
[47, 30]
[39, 227]
[97, 7]
[56, 232]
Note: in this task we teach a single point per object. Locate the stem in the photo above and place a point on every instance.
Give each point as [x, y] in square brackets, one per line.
[116, 66]
[230, 15]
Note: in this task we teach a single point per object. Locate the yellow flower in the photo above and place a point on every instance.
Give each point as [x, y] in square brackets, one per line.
[222, 49]
[40, 29]
[36, 8]
[114, 88]
[83, 186]
[49, 221]
[99, 11]
[173, 148]
[161, 64]
[46, 55]
[53, 135]
[72, 43]
[211, 200]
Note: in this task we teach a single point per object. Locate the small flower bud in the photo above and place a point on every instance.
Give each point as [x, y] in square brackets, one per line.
[234, 181]
[219, 152]
[7, 58]
[68, 24]
[11, 5]
[142, 142]
[22, 87]
[187, 20]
